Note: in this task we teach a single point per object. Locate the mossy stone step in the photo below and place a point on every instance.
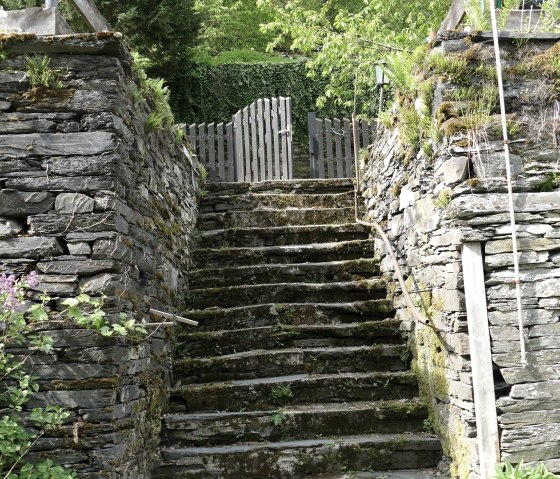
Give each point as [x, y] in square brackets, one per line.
[266, 362]
[275, 217]
[428, 473]
[201, 343]
[231, 296]
[251, 201]
[279, 273]
[294, 187]
[267, 393]
[294, 422]
[314, 252]
[290, 314]
[299, 459]
[280, 235]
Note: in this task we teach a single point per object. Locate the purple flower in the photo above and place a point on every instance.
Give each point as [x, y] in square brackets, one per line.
[32, 279]
[9, 291]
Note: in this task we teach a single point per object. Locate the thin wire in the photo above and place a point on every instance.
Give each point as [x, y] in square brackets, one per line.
[517, 280]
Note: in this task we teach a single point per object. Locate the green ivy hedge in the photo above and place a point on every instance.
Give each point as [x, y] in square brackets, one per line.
[210, 93]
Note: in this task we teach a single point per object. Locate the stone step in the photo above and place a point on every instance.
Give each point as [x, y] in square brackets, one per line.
[261, 363]
[267, 393]
[294, 422]
[200, 343]
[264, 218]
[280, 273]
[300, 459]
[230, 296]
[428, 473]
[216, 203]
[280, 235]
[294, 187]
[314, 252]
[274, 314]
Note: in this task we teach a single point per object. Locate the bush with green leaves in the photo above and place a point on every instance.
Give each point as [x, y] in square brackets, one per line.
[20, 329]
[508, 471]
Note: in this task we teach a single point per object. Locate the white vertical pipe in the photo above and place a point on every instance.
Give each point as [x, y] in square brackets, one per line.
[509, 185]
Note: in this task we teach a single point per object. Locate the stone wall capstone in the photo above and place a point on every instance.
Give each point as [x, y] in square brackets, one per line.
[429, 204]
[93, 200]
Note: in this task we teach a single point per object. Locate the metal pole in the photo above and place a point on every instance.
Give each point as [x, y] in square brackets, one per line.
[517, 279]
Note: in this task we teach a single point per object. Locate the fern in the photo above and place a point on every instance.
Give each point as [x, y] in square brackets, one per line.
[478, 17]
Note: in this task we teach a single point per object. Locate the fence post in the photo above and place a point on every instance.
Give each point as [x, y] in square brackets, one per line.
[313, 147]
[238, 147]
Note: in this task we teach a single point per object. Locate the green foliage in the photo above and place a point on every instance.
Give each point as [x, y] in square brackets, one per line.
[550, 16]
[281, 394]
[40, 74]
[19, 318]
[452, 68]
[477, 15]
[507, 471]
[550, 182]
[278, 418]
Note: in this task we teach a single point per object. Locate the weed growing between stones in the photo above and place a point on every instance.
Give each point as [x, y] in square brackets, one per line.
[278, 418]
[40, 73]
[20, 320]
[507, 471]
[281, 394]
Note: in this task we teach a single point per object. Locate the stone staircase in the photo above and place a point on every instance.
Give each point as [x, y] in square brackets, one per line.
[297, 368]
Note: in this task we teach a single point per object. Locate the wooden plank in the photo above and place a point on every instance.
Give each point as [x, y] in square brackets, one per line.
[247, 145]
[454, 16]
[320, 150]
[338, 148]
[275, 139]
[255, 174]
[221, 156]
[230, 160]
[268, 139]
[365, 133]
[238, 147]
[312, 134]
[211, 153]
[202, 144]
[348, 157]
[329, 148]
[193, 138]
[481, 359]
[289, 137]
[260, 126]
[92, 16]
[283, 137]
[356, 141]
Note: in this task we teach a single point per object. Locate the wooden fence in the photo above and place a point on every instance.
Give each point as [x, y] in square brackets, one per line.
[255, 146]
[331, 145]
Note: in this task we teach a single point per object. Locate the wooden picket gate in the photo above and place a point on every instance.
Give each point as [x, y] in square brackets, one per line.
[255, 146]
[331, 145]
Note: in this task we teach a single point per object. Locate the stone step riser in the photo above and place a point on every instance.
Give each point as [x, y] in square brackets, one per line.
[291, 314]
[286, 293]
[299, 463]
[200, 344]
[272, 237]
[227, 257]
[375, 418]
[279, 273]
[293, 187]
[258, 396]
[252, 201]
[273, 218]
[270, 364]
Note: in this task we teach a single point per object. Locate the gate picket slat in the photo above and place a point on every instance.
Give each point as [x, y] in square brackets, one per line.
[289, 137]
[221, 162]
[202, 144]
[283, 137]
[365, 134]
[238, 147]
[211, 153]
[230, 157]
[329, 146]
[268, 140]
[313, 146]
[260, 126]
[338, 145]
[348, 158]
[254, 152]
[247, 145]
[320, 149]
[193, 138]
[276, 139]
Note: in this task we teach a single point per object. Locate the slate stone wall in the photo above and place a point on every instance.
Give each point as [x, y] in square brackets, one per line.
[93, 200]
[429, 206]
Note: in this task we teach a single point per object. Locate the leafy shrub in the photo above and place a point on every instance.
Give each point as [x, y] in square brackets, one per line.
[507, 471]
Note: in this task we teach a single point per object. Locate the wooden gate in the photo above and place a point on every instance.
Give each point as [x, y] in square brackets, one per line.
[331, 145]
[255, 146]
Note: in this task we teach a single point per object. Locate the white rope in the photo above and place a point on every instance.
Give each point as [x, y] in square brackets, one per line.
[517, 279]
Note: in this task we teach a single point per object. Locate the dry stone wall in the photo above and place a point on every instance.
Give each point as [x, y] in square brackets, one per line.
[93, 200]
[430, 204]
